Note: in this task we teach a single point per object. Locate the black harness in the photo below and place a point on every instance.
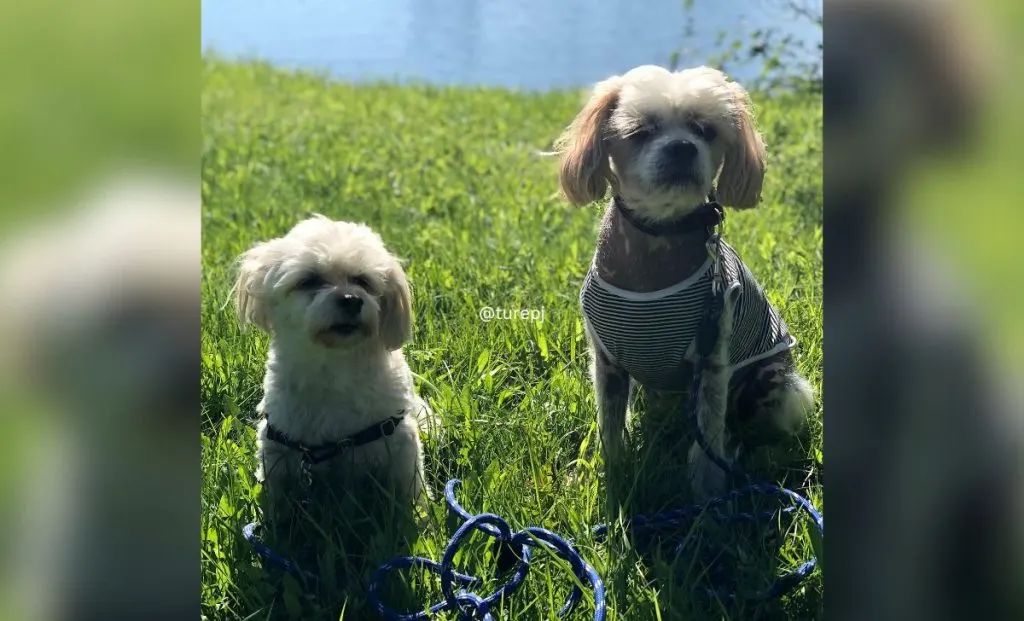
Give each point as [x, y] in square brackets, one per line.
[312, 455]
[707, 216]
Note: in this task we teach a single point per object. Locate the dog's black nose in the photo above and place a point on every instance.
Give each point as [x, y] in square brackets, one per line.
[349, 303]
[679, 152]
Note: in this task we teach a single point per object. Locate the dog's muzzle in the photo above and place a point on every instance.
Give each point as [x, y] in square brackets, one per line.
[677, 163]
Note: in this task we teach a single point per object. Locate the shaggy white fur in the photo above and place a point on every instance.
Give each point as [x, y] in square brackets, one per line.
[631, 123]
[337, 306]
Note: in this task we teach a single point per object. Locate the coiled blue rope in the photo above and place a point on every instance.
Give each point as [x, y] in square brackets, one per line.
[471, 605]
[474, 607]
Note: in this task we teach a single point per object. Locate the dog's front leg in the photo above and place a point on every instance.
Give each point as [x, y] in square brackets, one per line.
[611, 384]
[279, 472]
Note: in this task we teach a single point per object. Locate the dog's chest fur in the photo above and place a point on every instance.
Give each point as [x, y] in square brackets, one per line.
[326, 402]
[632, 260]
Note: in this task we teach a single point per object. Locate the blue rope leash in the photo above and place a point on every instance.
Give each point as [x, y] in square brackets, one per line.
[471, 605]
[474, 607]
[250, 535]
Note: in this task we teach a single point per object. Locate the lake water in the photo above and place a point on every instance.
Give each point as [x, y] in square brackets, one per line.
[527, 44]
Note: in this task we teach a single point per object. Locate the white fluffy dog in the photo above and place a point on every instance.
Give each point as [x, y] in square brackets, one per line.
[338, 394]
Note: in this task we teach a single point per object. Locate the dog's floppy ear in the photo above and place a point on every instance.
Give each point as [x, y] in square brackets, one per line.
[396, 310]
[253, 268]
[742, 176]
[583, 173]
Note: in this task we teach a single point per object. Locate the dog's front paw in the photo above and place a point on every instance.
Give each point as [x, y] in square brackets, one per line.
[429, 422]
[707, 479]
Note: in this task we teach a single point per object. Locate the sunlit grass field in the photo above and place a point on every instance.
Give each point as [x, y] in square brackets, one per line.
[452, 180]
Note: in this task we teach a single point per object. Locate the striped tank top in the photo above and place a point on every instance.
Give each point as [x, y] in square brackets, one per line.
[648, 334]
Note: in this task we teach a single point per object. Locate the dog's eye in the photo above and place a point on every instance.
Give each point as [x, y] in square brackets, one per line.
[361, 281]
[706, 132]
[310, 282]
[642, 134]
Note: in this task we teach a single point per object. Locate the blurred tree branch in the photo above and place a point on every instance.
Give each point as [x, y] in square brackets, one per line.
[787, 62]
[804, 9]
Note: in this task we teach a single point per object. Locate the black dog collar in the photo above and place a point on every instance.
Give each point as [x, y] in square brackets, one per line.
[323, 452]
[708, 215]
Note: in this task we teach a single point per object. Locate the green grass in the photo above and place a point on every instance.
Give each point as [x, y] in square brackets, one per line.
[451, 179]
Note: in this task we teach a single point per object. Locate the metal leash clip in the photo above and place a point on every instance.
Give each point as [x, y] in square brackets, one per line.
[714, 248]
[714, 245]
[306, 468]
